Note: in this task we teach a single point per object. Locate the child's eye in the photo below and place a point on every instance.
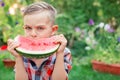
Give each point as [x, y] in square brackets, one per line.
[28, 28]
[40, 28]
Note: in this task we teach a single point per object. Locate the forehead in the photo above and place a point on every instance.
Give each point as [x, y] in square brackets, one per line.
[38, 18]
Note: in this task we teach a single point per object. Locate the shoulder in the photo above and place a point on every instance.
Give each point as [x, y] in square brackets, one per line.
[67, 54]
[26, 61]
[67, 51]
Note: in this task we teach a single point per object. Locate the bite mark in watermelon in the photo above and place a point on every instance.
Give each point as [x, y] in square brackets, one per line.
[39, 48]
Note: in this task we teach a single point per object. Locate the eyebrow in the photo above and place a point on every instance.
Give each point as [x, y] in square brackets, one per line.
[40, 26]
[35, 26]
[27, 25]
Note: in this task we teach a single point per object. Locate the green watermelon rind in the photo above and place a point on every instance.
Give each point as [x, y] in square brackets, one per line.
[38, 55]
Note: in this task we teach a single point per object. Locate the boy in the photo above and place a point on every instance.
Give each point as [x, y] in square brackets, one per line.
[39, 23]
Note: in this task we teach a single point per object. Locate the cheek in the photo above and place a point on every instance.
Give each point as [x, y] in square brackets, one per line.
[26, 33]
[49, 30]
[48, 33]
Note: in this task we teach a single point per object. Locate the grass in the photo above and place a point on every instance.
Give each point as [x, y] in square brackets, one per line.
[6, 73]
[82, 70]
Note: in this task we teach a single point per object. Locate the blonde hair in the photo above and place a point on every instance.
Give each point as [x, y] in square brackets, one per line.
[40, 7]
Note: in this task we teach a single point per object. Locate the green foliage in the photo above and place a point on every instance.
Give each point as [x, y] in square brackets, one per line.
[63, 20]
[10, 20]
[6, 55]
[78, 48]
[5, 73]
[107, 48]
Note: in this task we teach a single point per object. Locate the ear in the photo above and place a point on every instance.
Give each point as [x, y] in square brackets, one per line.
[54, 29]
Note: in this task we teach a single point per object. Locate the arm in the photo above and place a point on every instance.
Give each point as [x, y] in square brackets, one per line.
[59, 72]
[20, 72]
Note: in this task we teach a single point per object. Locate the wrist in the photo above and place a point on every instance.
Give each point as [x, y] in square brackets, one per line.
[18, 58]
[60, 54]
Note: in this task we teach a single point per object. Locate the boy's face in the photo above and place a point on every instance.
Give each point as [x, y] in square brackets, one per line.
[38, 25]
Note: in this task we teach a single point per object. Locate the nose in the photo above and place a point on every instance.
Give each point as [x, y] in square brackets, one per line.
[33, 34]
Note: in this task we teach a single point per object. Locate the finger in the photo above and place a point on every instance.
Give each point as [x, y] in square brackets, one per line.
[14, 45]
[9, 41]
[61, 35]
[62, 38]
[14, 53]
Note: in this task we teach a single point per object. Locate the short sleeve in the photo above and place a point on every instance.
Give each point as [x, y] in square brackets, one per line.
[67, 60]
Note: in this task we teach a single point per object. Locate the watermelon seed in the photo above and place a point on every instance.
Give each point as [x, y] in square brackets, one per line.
[39, 44]
[33, 44]
[54, 42]
[45, 44]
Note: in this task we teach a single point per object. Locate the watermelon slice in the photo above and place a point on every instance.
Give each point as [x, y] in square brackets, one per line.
[39, 48]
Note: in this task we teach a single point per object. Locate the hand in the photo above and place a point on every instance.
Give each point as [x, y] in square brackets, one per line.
[63, 42]
[11, 47]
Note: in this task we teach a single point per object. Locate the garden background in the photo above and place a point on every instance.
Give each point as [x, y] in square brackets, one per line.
[92, 28]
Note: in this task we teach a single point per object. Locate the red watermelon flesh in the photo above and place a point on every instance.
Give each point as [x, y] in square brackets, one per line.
[37, 47]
